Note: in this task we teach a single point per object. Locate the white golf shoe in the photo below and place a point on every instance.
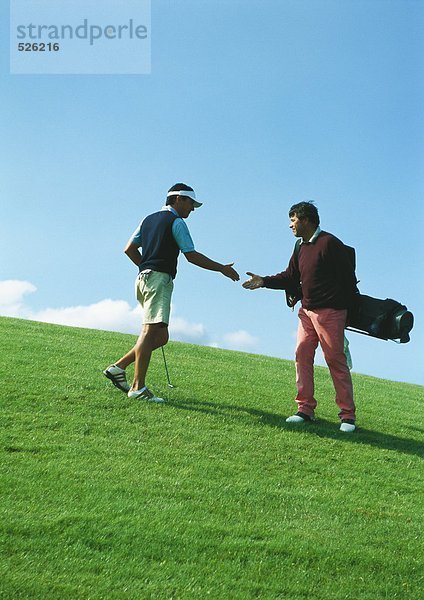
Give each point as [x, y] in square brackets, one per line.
[299, 417]
[117, 377]
[145, 394]
[347, 426]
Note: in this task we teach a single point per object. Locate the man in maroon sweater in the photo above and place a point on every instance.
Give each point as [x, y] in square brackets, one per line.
[322, 270]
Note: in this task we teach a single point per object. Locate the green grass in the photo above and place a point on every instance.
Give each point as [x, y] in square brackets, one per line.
[211, 495]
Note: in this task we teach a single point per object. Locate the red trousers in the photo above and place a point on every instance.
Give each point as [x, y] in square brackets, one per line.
[326, 326]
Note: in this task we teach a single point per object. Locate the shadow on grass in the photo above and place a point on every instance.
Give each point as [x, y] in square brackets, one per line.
[321, 428]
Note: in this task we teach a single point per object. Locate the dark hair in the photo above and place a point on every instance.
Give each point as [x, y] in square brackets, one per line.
[178, 187]
[305, 210]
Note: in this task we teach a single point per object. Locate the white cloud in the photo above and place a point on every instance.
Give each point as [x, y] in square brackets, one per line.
[112, 315]
[12, 292]
[184, 331]
[240, 340]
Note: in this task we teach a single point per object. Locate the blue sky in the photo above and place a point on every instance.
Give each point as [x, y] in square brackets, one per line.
[257, 104]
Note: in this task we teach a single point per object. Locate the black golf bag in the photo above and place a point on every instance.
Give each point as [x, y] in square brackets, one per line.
[383, 319]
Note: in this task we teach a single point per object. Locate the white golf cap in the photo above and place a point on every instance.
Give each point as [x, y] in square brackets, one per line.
[188, 193]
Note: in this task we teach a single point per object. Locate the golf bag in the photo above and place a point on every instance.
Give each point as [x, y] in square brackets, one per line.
[384, 319]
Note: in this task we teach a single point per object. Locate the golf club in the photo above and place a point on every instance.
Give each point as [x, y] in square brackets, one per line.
[166, 369]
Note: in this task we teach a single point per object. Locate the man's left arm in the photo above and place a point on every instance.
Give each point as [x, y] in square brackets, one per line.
[132, 251]
[133, 245]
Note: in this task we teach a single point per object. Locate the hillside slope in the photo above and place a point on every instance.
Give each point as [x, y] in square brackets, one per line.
[211, 495]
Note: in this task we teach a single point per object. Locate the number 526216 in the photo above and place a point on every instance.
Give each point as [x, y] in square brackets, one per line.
[41, 47]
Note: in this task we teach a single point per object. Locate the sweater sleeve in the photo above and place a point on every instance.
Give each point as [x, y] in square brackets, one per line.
[286, 280]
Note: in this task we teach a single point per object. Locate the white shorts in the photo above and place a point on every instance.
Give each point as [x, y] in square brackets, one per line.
[153, 291]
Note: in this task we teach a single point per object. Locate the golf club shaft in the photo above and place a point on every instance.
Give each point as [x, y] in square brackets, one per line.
[166, 368]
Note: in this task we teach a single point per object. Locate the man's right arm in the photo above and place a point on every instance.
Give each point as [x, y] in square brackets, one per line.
[185, 243]
[255, 282]
[280, 281]
[200, 260]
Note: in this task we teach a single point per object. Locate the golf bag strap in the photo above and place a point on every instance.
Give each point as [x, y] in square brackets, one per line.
[293, 296]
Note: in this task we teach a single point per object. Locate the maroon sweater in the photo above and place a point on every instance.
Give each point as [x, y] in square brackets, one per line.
[324, 271]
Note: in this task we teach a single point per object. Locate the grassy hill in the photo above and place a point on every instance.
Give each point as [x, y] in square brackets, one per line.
[212, 495]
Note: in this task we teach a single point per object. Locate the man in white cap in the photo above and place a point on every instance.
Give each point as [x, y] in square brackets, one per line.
[162, 236]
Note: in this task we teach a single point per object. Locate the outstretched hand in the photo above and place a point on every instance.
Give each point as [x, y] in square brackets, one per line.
[228, 271]
[255, 282]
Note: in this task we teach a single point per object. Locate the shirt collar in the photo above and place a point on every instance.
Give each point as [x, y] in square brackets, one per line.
[314, 237]
[170, 209]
